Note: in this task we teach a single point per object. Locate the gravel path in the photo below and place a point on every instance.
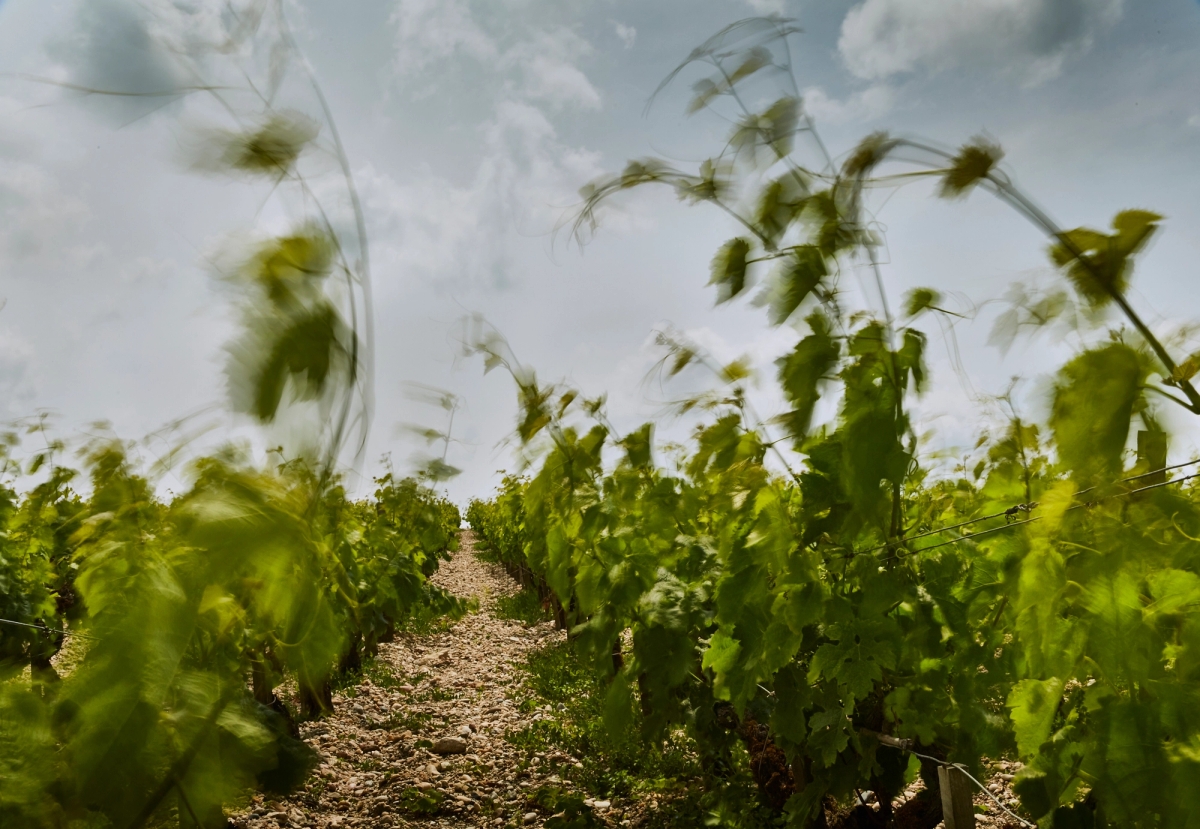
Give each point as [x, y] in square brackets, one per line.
[378, 766]
[382, 761]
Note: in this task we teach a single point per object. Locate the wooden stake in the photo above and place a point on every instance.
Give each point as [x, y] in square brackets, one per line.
[958, 810]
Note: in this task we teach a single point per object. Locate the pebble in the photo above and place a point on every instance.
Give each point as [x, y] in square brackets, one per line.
[458, 680]
[450, 745]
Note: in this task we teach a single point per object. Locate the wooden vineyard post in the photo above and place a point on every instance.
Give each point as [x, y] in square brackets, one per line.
[958, 810]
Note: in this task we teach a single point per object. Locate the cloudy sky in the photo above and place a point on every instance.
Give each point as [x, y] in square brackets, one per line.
[471, 124]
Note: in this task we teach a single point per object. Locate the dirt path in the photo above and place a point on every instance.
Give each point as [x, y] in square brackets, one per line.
[377, 767]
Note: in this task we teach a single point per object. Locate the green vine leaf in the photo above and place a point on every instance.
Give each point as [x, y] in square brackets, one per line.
[729, 269]
[1093, 403]
[801, 273]
[974, 163]
[802, 371]
[1098, 264]
[1033, 705]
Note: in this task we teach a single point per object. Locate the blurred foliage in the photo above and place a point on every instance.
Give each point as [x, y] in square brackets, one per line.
[194, 611]
[184, 616]
[273, 148]
[295, 345]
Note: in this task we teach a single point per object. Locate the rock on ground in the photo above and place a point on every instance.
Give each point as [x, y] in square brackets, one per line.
[431, 750]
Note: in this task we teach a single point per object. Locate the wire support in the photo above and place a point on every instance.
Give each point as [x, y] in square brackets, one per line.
[1018, 508]
[906, 747]
[1084, 505]
[45, 629]
[981, 787]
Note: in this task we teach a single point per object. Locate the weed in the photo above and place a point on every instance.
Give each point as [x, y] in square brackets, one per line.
[425, 802]
[428, 619]
[571, 700]
[522, 606]
[314, 790]
[380, 673]
[435, 695]
[414, 721]
[485, 552]
[567, 809]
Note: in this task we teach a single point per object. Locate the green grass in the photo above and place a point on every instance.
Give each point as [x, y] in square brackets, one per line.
[625, 766]
[414, 721]
[311, 793]
[381, 674]
[485, 552]
[420, 803]
[612, 765]
[427, 619]
[522, 606]
[435, 695]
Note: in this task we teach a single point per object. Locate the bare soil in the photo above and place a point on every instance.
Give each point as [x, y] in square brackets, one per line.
[377, 768]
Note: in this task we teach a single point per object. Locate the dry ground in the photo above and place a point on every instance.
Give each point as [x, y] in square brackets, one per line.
[377, 768]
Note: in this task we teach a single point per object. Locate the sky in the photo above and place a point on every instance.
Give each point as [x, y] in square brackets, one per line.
[469, 126]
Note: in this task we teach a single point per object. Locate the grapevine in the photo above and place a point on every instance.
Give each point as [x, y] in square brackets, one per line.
[803, 607]
[810, 597]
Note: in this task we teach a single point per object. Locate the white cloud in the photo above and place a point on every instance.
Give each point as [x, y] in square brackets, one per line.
[627, 34]
[767, 6]
[1031, 37]
[462, 235]
[35, 212]
[119, 46]
[194, 28]
[545, 63]
[16, 384]
[539, 65]
[433, 30]
[864, 105]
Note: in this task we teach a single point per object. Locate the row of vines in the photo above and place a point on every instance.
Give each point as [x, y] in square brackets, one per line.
[158, 649]
[809, 589]
[187, 619]
[824, 595]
